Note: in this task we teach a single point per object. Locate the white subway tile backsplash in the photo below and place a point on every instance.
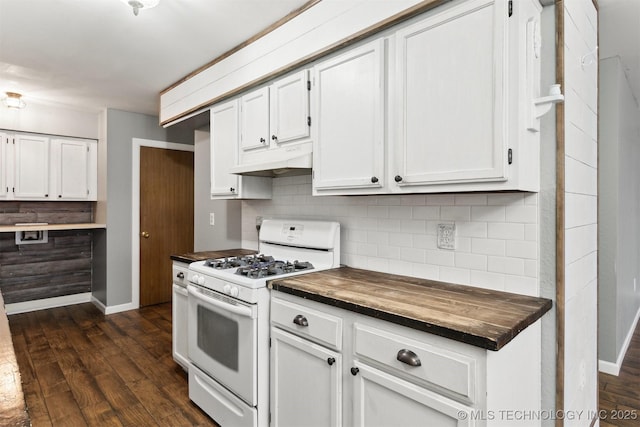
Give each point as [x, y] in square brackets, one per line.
[488, 246]
[522, 249]
[455, 213]
[506, 231]
[488, 213]
[426, 212]
[496, 233]
[471, 261]
[455, 275]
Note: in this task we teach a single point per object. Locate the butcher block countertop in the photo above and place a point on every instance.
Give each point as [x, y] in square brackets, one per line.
[480, 317]
[201, 256]
[13, 409]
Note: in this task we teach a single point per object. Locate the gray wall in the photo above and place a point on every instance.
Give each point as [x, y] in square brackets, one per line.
[226, 233]
[619, 210]
[112, 274]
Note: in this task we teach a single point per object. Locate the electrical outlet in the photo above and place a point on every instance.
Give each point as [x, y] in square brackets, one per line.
[212, 218]
[447, 236]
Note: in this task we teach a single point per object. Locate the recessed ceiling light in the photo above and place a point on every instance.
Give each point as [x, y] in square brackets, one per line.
[136, 5]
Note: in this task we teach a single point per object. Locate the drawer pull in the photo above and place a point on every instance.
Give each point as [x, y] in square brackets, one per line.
[300, 320]
[354, 371]
[181, 275]
[331, 360]
[408, 357]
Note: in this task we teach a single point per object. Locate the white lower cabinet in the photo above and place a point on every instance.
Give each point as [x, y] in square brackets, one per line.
[382, 374]
[179, 315]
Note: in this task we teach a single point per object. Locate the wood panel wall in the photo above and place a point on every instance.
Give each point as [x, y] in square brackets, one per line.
[62, 266]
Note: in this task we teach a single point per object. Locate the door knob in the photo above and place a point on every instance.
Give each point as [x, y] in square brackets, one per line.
[145, 234]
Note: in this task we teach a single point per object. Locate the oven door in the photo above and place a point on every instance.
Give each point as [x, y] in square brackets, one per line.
[223, 340]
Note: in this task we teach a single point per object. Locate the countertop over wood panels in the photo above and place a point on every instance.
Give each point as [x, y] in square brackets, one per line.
[36, 227]
[484, 318]
[203, 255]
[13, 409]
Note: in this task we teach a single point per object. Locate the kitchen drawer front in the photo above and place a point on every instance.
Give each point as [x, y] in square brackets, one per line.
[452, 373]
[315, 325]
[179, 273]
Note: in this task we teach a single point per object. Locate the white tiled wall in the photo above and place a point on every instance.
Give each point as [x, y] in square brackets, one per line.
[496, 233]
[581, 230]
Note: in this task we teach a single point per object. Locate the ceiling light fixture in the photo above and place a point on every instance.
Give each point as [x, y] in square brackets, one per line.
[14, 100]
[136, 5]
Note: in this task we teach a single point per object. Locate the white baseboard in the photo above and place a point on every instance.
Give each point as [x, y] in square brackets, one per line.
[614, 368]
[42, 304]
[114, 308]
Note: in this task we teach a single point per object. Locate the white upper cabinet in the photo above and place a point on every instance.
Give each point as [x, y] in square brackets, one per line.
[224, 154]
[349, 133]
[273, 118]
[73, 174]
[289, 116]
[254, 119]
[31, 167]
[450, 92]
[440, 103]
[4, 186]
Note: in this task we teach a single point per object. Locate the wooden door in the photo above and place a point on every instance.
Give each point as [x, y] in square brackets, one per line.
[166, 218]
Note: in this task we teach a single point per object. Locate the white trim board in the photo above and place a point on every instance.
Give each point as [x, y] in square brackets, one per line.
[136, 143]
[42, 304]
[614, 368]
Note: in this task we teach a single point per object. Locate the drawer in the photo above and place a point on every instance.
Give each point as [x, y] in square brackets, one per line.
[306, 322]
[423, 363]
[179, 273]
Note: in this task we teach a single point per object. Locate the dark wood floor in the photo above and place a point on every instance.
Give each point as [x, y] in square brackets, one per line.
[82, 368]
[620, 396]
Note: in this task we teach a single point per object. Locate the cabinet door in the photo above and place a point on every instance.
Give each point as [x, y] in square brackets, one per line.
[70, 169]
[4, 186]
[254, 120]
[349, 138]
[384, 400]
[31, 167]
[450, 94]
[289, 113]
[179, 326]
[306, 388]
[224, 146]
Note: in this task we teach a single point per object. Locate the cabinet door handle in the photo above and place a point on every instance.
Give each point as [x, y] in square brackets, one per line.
[274, 138]
[263, 140]
[408, 357]
[331, 361]
[398, 178]
[300, 320]
[232, 189]
[354, 371]
[374, 179]
[181, 275]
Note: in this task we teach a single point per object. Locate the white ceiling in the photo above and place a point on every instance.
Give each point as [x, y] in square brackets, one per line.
[96, 54]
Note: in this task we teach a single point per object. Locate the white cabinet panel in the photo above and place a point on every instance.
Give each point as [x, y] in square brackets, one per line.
[31, 167]
[224, 155]
[254, 120]
[289, 113]
[376, 393]
[450, 92]
[306, 386]
[349, 135]
[4, 164]
[72, 173]
[179, 328]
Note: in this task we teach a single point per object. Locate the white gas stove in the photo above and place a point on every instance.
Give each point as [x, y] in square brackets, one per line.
[229, 317]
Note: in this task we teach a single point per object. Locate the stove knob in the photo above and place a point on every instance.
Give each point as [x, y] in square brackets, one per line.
[227, 289]
[234, 292]
[200, 280]
[194, 278]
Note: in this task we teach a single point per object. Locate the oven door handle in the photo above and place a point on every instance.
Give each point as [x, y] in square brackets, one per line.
[240, 310]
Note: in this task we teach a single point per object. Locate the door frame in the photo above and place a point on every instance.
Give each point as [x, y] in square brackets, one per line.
[136, 144]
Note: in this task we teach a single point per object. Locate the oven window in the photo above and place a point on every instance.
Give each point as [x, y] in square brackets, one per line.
[218, 337]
